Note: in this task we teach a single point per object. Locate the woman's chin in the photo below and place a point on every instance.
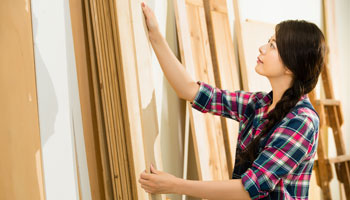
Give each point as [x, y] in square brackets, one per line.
[257, 70]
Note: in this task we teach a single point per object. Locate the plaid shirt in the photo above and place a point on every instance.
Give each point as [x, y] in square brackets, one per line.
[283, 168]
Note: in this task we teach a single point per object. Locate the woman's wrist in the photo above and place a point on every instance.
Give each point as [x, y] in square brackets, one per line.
[155, 36]
[178, 185]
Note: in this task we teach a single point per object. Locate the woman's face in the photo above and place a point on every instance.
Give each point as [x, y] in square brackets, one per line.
[269, 62]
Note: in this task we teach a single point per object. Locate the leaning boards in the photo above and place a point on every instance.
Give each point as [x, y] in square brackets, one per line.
[139, 91]
[21, 169]
[195, 55]
[120, 57]
[224, 66]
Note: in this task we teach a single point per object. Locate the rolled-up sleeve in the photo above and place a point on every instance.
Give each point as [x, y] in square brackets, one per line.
[288, 146]
[222, 102]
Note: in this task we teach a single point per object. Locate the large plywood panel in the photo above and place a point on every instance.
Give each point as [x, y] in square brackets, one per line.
[195, 54]
[20, 150]
[225, 68]
[91, 120]
[251, 42]
[139, 92]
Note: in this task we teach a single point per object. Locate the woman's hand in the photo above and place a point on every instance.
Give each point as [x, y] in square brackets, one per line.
[158, 182]
[151, 21]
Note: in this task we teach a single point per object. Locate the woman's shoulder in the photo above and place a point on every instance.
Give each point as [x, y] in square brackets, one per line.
[305, 114]
[254, 96]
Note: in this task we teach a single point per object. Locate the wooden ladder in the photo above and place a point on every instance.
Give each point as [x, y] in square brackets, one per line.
[331, 115]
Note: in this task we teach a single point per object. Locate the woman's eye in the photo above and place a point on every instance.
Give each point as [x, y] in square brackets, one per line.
[271, 45]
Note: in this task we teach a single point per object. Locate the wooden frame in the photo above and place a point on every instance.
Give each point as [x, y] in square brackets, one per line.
[331, 116]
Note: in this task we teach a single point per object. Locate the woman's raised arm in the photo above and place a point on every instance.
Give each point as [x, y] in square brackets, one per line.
[183, 84]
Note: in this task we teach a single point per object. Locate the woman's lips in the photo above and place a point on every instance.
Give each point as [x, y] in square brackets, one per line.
[259, 61]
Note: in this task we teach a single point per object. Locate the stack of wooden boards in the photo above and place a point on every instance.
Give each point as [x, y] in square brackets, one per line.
[123, 99]
[124, 95]
[123, 91]
[209, 58]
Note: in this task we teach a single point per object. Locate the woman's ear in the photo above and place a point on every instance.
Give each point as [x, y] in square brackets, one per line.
[288, 72]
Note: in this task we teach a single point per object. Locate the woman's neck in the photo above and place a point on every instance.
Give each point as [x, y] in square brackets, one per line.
[279, 86]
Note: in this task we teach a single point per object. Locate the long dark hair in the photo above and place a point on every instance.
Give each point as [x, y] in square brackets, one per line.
[301, 46]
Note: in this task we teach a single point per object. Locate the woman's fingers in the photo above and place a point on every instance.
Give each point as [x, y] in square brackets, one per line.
[147, 188]
[146, 10]
[153, 170]
[151, 20]
[145, 175]
[147, 185]
[144, 182]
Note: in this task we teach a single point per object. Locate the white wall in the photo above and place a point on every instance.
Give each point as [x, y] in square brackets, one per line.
[58, 101]
[341, 81]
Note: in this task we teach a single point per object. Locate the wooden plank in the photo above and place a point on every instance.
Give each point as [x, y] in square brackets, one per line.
[241, 47]
[329, 24]
[206, 129]
[128, 81]
[96, 100]
[98, 39]
[88, 108]
[21, 169]
[134, 50]
[328, 102]
[225, 70]
[338, 159]
[331, 41]
[322, 165]
[118, 161]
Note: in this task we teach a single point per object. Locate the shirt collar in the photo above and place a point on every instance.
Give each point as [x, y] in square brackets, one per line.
[267, 99]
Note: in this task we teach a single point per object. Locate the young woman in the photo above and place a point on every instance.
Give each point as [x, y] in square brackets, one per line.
[278, 134]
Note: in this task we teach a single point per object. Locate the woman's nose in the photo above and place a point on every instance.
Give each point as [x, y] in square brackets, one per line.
[262, 49]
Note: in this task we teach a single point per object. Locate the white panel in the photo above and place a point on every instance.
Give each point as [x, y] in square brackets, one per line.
[58, 98]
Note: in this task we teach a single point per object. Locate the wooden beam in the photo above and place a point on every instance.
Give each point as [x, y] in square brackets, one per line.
[241, 53]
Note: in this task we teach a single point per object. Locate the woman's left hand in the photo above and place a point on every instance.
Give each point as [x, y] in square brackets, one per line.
[158, 182]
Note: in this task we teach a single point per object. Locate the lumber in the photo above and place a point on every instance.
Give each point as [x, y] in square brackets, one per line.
[206, 129]
[225, 70]
[21, 167]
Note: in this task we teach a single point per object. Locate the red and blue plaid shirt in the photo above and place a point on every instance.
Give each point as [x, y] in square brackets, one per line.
[284, 166]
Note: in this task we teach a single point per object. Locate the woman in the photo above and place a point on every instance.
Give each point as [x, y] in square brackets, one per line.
[278, 134]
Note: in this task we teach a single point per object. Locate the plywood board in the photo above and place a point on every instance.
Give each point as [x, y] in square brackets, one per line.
[224, 67]
[20, 148]
[135, 55]
[195, 55]
[91, 114]
[118, 150]
[251, 42]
